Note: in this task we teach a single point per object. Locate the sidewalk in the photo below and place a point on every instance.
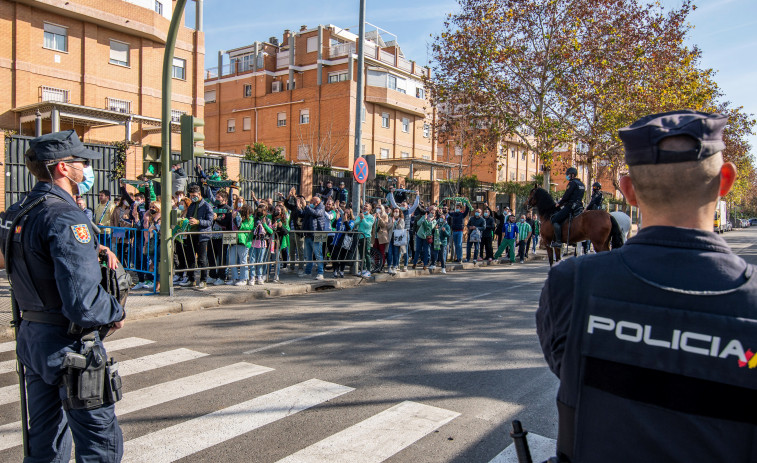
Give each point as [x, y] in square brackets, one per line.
[142, 304]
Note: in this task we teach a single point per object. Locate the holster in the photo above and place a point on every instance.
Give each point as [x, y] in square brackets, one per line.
[90, 381]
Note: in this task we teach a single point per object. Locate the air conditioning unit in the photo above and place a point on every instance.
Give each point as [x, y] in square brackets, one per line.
[276, 87]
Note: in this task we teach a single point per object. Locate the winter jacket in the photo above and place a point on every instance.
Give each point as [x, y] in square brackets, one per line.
[457, 219]
[365, 225]
[314, 219]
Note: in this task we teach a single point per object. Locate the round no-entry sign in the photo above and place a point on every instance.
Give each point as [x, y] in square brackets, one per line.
[360, 170]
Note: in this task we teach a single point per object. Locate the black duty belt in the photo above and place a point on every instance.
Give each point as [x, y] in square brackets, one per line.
[50, 318]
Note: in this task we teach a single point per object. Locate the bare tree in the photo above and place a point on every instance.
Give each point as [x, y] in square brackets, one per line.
[320, 144]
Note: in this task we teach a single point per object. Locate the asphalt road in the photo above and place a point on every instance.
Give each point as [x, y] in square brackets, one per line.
[431, 369]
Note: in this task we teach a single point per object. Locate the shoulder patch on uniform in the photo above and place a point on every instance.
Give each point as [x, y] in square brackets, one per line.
[81, 233]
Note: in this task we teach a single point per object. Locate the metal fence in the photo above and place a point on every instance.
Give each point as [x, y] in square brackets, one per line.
[19, 180]
[207, 163]
[335, 176]
[230, 261]
[266, 179]
[138, 253]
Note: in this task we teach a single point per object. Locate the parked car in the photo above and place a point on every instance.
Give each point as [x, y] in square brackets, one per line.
[753, 221]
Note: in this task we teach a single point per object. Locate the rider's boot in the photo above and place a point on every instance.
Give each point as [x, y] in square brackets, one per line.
[557, 242]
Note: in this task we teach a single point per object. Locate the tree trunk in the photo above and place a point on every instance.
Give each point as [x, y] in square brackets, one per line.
[547, 179]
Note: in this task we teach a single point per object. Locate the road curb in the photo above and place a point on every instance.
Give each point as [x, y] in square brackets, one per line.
[203, 302]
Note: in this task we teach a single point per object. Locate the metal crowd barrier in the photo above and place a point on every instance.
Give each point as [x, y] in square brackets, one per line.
[221, 241]
[135, 253]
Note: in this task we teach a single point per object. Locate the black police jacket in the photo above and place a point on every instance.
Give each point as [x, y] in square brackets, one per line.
[574, 193]
[654, 361]
[595, 202]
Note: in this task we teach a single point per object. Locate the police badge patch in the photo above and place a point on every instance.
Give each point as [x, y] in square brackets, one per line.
[81, 233]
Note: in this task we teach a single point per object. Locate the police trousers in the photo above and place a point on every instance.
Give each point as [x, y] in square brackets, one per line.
[96, 432]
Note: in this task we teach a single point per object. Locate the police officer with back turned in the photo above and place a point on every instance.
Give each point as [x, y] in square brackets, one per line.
[653, 343]
[52, 261]
[571, 201]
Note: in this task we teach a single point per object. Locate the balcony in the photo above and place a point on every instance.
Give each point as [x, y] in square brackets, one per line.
[343, 49]
[396, 100]
[119, 106]
[55, 95]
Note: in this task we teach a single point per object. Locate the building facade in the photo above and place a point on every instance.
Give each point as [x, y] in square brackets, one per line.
[95, 66]
[299, 95]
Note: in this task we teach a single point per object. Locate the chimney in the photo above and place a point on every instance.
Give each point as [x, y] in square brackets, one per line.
[302, 28]
[273, 41]
[287, 35]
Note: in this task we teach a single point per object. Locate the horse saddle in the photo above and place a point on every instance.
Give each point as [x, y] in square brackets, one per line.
[576, 210]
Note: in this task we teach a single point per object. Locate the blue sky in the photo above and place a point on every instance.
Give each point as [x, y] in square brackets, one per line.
[723, 29]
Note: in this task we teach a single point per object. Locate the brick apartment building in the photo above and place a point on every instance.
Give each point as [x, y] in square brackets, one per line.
[299, 95]
[95, 66]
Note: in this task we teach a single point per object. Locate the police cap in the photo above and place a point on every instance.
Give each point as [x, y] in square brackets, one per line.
[61, 145]
[641, 138]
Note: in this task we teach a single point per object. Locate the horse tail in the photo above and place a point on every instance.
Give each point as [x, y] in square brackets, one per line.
[616, 235]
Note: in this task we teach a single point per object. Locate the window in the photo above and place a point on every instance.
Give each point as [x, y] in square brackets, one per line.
[404, 155]
[56, 37]
[283, 151]
[231, 125]
[158, 7]
[179, 68]
[522, 177]
[246, 122]
[426, 130]
[281, 120]
[391, 82]
[501, 175]
[420, 93]
[533, 156]
[385, 120]
[176, 115]
[512, 155]
[458, 151]
[337, 77]
[362, 115]
[523, 155]
[405, 125]
[303, 152]
[291, 85]
[426, 156]
[119, 53]
[210, 96]
[384, 153]
[312, 44]
[512, 175]
[304, 116]
[247, 90]
[121, 106]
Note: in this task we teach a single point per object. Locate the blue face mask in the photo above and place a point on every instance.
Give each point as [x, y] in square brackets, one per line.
[567, 177]
[88, 181]
[181, 207]
[477, 214]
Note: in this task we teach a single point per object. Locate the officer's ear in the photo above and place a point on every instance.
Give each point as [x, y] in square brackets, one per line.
[728, 175]
[626, 186]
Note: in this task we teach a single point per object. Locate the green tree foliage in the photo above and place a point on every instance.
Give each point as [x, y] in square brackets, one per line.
[259, 152]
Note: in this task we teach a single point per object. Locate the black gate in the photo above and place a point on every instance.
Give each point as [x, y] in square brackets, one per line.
[267, 179]
[18, 179]
[335, 176]
[208, 164]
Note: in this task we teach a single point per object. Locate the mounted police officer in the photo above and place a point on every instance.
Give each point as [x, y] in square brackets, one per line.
[571, 202]
[52, 260]
[595, 203]
[653, 343]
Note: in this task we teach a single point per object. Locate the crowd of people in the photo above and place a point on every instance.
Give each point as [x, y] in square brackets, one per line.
[221, 239]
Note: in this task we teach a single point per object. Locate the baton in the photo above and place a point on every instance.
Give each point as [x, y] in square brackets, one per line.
[21, 378]
[521, 443]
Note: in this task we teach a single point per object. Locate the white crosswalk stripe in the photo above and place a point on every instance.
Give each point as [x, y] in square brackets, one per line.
[378, 437]
[541, 449]
[192, 436]
[7, 346]
[372, 440]
[10, 434]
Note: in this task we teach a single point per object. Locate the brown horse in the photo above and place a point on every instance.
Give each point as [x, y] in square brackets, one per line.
[597, 226]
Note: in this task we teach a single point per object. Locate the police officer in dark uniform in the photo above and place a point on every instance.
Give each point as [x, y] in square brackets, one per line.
[595, 204]
[571, 201]
[653, 343]
[52, 261]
